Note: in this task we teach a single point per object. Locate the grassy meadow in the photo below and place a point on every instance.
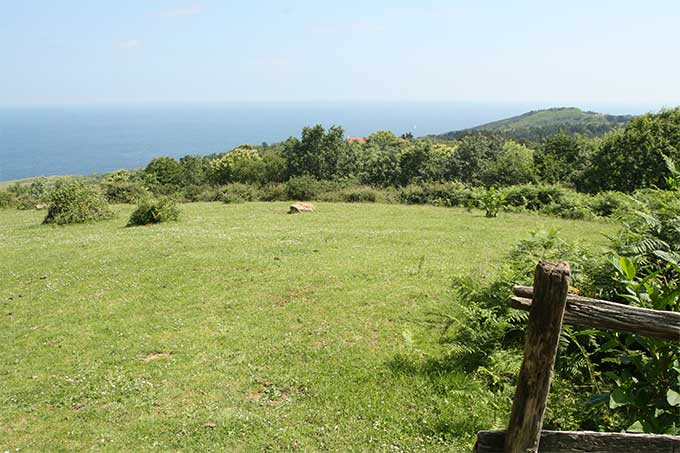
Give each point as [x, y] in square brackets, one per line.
[243, 328]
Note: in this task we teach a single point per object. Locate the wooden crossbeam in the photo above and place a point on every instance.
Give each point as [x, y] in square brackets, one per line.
[585, 441]
[605, 315]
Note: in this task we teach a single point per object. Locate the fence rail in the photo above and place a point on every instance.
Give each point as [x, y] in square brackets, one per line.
[605, 315]
[585, 441]
[549, 306]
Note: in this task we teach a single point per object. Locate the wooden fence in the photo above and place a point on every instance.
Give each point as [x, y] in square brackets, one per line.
[550, 305]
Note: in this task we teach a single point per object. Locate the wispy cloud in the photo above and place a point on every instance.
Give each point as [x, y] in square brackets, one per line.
[130, 44]
[191, 10]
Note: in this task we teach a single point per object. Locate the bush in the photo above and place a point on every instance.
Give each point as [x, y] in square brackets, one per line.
[441, 194]
[152, 211]
[123, 187]
[238, 193]
[274, 192]
[571, 205]
[606, 204]
[242, 164]
[7, 199]
[194, 193]
[74, 202]
[492, 202]
[27, 196]
[360, 195]
[534, 196]
[303, 188]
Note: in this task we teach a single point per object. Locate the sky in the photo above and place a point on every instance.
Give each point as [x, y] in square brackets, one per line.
[125, 51]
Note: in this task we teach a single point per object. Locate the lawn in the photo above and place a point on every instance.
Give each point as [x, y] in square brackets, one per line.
[243, 328]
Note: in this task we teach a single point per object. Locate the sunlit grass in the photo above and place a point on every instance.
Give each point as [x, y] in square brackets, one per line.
[241, 327]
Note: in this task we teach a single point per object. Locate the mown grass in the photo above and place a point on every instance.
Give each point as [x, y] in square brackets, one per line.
[242, 328]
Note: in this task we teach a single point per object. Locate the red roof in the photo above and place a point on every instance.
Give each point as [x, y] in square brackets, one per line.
[360, 140]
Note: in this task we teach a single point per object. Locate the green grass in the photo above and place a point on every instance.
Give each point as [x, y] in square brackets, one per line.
[267, 331]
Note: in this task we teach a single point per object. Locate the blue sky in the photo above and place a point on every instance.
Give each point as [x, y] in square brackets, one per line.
[569, 52]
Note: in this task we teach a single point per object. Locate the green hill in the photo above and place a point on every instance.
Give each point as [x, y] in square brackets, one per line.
[538, 124]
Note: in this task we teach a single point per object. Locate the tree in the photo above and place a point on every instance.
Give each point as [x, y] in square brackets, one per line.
[165, 171]
[195, 169]
[381, 159]
[273, 166]
[316, 153]
[513, 165]
[413, 161]
[562, 158]
[632, 157]
[473, 153]
[241, 164]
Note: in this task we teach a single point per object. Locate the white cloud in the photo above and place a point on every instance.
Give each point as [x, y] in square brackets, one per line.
[191, 10]
[130, 44]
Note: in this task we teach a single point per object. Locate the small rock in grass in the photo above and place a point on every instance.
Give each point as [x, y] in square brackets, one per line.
[300, 207]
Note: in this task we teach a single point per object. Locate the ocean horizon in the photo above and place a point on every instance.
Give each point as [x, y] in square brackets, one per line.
[77, 140]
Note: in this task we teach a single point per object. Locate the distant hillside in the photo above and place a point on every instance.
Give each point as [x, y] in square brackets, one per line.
[538, 124]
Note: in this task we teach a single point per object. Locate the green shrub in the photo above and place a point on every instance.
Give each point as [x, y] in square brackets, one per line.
[441, 194]
[123, 187]
[193, 193]
[73, 202]
[237, 192]
[27, 196]
[491, 202]
[242, 164]
[606, 204]
[7, 199]
[303, 188]
[274, 192]
[413, 194]
[568, 211]
[150, 211]
[534, 196]
[570, 205]
[360, 195]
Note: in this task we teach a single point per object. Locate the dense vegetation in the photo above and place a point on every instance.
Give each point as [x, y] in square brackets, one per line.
[539, 124]
[321, 161]
[604, 381]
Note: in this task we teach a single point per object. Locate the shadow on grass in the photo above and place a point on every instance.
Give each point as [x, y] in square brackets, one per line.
[457, 406]
[400, 364]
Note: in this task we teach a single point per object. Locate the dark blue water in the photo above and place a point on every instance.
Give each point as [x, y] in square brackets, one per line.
[81, 140]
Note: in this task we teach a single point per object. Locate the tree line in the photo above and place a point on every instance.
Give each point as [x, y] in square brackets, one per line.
[624, 160]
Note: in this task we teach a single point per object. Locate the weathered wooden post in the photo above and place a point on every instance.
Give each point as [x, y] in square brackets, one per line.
[551, 284]
[546, 303]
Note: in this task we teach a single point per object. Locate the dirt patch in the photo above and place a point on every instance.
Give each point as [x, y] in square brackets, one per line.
[156, 356]
[254, 396]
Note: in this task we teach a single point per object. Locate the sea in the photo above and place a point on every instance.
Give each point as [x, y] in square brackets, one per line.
[77, 140]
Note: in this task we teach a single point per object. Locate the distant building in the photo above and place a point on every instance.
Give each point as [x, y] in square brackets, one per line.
[359, 140]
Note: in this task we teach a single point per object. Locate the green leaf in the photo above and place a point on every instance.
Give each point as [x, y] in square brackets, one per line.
[618, 398]
[627, 267]
[673, 397]
[636, 428]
